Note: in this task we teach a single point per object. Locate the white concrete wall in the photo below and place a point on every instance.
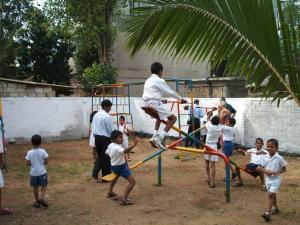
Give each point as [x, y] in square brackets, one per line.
[67, 118]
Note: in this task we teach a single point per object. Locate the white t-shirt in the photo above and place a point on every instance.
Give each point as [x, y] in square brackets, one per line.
[213, 133]
[274, 164]
[37, 158]
[116, 154]
[228, 133]
[155, 88]
[124, 130]
[258, 159]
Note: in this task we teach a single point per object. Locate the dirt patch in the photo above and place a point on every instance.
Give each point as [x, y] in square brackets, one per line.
[184, 197]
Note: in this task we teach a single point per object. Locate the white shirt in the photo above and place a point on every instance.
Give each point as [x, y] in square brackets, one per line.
[213, 133]
[155, 88]
[203, 122]
[102, 124]
[123, 129]
[116, 154]
[275, 164]
[37, 158]
[228, 133]
[258, 159]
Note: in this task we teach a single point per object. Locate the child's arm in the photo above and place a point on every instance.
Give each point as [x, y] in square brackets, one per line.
[28, 163]
[1, 160]
[283, 169]
[126, 150]
[46, 161]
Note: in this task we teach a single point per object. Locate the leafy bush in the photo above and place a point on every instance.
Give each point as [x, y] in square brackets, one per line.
[98, 74]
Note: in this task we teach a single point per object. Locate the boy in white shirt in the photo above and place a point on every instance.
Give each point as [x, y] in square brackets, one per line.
[37, 158]
[213, 134]
[3, 211]
[125, 131]
[274, 166]
[258, 156]
[154, 89]
[119, 166]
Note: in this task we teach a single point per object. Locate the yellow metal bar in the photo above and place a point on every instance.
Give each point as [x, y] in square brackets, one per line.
[189, 149]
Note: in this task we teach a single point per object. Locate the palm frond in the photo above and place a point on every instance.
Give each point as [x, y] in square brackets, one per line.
[243, 31]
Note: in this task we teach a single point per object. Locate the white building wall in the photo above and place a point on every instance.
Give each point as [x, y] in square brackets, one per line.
[68, 118]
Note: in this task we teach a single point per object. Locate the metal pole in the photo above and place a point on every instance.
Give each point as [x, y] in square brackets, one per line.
[159, 170]
[227, 193]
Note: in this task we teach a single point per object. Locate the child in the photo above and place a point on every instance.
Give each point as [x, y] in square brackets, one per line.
[119, 166]
[275, 165]
[37, 158]
[258, 157]
[3, 211]
[154, 89]
[213, 134]
[92, 137]
[228, 137]
[125, 131]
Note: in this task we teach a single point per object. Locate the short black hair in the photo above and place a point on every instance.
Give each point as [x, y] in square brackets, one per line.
[36, 140]
[106, 103]
[156, 67]
[259, 139]
[215, 120]
[274, 142]
[223, 99]
[122, 117]
[232, 121]
[115, 134]
[92, 116]
[196, 101]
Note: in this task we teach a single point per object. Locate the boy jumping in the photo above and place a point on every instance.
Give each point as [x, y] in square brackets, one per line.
[154, 89]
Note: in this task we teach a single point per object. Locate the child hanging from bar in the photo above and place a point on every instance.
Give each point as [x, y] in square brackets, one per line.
[116, 152]
[154, 89]
[126, 132]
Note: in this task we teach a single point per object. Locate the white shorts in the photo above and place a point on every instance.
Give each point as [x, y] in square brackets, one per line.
[213, 158]
[92, 141]
[161, 109]
[1, 180]
[273, 186]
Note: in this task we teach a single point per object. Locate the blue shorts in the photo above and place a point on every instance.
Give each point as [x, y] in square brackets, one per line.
[39, 181]
[252, 167]
[122, 170]
[228, 147]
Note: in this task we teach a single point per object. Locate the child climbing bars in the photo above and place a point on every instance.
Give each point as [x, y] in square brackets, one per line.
[154, 89]
[119, 166]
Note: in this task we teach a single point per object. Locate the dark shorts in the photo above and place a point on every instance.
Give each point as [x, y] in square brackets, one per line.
[122, 170]
[37, 181]
[228, 147]
[252, 167]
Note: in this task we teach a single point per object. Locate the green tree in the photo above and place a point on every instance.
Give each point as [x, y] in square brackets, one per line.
[244, 31]
[12, 14]
[98, 74]
[42, 52]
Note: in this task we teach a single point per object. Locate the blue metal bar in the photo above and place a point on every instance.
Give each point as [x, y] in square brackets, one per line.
[227, 193]
[159, 170]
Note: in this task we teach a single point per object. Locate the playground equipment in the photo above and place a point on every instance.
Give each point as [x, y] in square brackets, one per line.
[119, 95]
[208, 150]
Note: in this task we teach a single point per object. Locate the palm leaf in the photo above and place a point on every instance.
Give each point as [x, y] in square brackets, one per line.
[243, 31]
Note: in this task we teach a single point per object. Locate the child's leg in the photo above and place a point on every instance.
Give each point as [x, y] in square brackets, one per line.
[43, 191]
[207, 171]
[171, 121]
[271, 197]
[129, 187]
[213, 172]
[275, 201]
[36, 193]
[112, 184]
[156, 127]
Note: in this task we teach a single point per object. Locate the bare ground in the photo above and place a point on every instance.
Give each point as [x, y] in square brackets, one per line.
[184, 197]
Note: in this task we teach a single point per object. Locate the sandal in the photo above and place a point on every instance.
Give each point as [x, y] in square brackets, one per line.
[274, 211]
[43, 202]
[267, 217]
[212, 185]
[238, 185]
[111, 195]
[37, 205]
[263, 187]
[5, 211]
[126, 202]
[208, 182]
